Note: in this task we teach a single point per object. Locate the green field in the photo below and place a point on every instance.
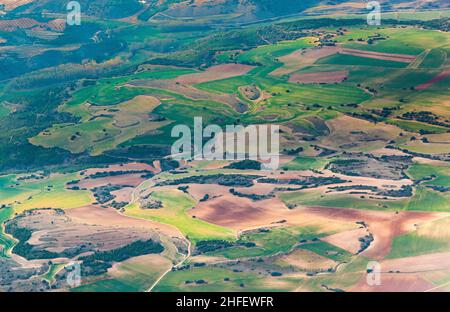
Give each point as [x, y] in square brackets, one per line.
[6, 243]
[354, 131]
[434, 59]
[277, 240]
[176, 205]
[215, 278]
[428, 200]
[342, 59]
[411, 244]
[305, 163]
[328, 251]
[441, 174]
[46, 193]
[313, 198]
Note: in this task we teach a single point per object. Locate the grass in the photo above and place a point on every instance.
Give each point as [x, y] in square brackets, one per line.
[411, 41]
[343, 59]
[176, 281]
[176, 205]
[328, 251]
[6, 243]
[277, 240]
[415, 126]
[54, 268]
[107, 285]
[104, 132]
[306, 163]
[314, 198]
[426, 199]
[420, 171]
[434, 59]
[3, 111]
[133, 275]
[412, 244]
[45, 193]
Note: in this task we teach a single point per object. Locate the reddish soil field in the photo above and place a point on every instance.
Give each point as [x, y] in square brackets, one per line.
[348, 240]
[125, 179]
[394, 283]
[323, 77]
[436, 79]
[95, 215]
[384, 226]
[215, 73]
[428, 262]
[403, 58]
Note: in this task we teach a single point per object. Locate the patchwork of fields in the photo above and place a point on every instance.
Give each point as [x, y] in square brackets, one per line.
[86, 119]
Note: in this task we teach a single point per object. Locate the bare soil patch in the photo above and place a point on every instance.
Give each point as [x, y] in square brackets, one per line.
[218, 72]
[302, 58]
[98, 216]
[308, 260]
[348, 240]
[384, 226]
[187, 90]
[391, 282]
[320, 77]
[429, 262]
[403, 58]
[54, 231]
[353, 133]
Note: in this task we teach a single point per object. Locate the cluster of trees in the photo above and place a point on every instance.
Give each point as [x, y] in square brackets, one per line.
[254, 197]
[246, 164]
[99, 262]
[426, 117]
[310, 181]
[221, 179]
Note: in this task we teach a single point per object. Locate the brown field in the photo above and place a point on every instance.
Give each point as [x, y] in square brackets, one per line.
[144, 269]
[307, 260]
[190, 92]
[95, 215]
[384, 226]
[56, 232]
[391, 282]
[257, 188]
[27, 23]
[429, 262]
[428, 148]
[133, 179]
[302, 58]
[403, 58]
[437, 229]
[218, 72]
[348, 240]
[320, 77]
[240, 214]
[388, 151]
[123, 195]
[12, 4]
[438, 78]
[198, 191]
[360, 133]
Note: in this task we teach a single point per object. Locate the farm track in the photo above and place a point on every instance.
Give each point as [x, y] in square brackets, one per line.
[134, 198]
[187, 256]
